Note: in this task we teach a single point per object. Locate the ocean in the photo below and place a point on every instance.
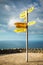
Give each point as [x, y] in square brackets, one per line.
[20, 44]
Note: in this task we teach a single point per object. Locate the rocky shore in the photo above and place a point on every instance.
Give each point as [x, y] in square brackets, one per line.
[21, 50]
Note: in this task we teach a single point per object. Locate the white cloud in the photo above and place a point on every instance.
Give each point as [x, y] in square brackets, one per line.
[12, 21]
[39, 20]
[7, 7]
[14, 12]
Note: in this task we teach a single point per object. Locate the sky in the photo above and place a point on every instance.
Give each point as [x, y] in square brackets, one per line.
[9, 14]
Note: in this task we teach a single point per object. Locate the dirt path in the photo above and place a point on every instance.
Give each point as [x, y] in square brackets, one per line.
[20, 59]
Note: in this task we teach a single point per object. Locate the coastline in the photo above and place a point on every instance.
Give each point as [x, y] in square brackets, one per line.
[20, 50]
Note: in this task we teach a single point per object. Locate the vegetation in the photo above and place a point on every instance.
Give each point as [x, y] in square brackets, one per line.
[21, 50]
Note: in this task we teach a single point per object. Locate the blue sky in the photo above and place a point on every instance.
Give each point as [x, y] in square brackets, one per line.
[9, 13]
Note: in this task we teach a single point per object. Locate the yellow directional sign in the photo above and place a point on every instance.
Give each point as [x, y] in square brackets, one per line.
[31, 23]
[24, 25]
[21, 27]
[30, 9]
[20, 30]
[25, 19]
[23, 14]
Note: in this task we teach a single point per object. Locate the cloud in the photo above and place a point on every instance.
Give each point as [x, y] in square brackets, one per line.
[32, 16]
[7, 7]
[41, 3]
[11, 21]
[12, 9]
[39, 20]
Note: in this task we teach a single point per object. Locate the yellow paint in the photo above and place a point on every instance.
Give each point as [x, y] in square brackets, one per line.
[23, 14]
[24, 25]
[30, 9]
[25, 19]
[31, 23]
[20, 30]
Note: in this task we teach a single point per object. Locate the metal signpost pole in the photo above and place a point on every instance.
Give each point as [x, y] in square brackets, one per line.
[22, 15]
[27, 37]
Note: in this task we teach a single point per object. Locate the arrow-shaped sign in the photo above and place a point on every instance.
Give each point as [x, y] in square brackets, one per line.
[20, 30]
[21, 27]
[24, 25]
[23, 14]
[30, 9]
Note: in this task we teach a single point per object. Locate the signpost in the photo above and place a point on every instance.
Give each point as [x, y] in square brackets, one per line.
[27, 37]
[23, 14]
[24, 24]
[23, 27]
[30, 9]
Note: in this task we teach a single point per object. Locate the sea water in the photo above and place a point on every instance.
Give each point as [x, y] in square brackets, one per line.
[20, 44]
